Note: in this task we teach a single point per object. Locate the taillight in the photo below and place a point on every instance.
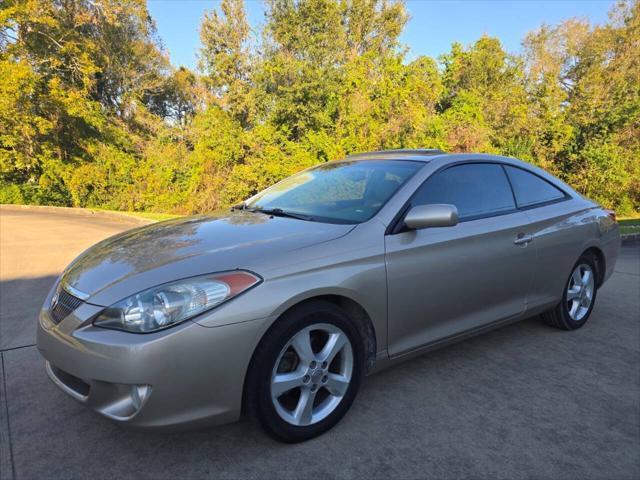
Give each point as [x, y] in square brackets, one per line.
[612, 215]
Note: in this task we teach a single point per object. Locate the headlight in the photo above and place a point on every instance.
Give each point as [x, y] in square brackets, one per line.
[175, 302]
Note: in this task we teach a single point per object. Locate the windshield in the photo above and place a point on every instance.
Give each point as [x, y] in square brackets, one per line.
[336, 192]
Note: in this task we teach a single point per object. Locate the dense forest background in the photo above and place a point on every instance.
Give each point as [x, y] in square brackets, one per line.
[92, 113]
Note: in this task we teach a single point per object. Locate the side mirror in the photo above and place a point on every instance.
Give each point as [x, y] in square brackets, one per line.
[436, 215]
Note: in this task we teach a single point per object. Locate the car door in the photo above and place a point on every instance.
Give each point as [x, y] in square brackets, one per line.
[448, 280]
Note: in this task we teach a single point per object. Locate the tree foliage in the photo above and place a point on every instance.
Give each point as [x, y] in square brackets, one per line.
[93, 114]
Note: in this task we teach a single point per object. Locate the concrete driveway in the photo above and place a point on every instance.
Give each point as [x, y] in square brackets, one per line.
[525, 401]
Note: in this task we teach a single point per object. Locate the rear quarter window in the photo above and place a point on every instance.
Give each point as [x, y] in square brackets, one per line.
[530, 190]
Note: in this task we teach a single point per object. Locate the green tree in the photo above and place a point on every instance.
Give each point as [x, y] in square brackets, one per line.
[226, 59]
[585, 91]
[85, 69]
[93, 114]
[484, 105]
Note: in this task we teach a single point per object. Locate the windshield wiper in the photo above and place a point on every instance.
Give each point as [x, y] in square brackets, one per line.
[278, 212]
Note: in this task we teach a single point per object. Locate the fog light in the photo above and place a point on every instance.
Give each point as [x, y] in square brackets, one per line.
[139, 395]
[119, 401]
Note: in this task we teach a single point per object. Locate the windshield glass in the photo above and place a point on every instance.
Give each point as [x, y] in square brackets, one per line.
[337, 192]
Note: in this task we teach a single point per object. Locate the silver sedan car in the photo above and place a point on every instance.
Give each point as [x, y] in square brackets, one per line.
[281, 305]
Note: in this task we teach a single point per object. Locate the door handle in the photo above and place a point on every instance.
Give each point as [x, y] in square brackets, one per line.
[523, 239]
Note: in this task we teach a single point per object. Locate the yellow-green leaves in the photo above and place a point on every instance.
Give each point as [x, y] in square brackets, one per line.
[93, 114]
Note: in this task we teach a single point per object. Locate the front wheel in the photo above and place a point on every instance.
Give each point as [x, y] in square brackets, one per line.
[305, 373]
[578, 298]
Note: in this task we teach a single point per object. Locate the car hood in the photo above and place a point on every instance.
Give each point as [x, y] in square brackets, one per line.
[163, 252]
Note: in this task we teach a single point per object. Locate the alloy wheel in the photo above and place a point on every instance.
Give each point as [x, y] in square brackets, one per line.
[580, 290]
[312, 374]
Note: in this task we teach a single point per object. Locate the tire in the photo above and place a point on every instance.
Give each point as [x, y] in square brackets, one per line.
[565, 315]
[281, 414]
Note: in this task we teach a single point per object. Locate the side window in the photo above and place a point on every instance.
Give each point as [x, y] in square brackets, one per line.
[476, 189]
[530, 189]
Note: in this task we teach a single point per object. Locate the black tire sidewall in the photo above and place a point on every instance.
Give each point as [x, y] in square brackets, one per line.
[267, 354]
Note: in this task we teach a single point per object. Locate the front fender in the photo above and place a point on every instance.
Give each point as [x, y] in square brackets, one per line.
[351, 267]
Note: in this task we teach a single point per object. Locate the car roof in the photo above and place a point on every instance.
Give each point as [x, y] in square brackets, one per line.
[426, 155]
[443, 159]
[421, 154]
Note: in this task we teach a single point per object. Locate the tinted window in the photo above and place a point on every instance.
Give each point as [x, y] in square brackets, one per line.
[476, 189]
[530, 189]
[339, 192]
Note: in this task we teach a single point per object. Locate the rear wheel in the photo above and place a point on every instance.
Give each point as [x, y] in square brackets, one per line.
[305, 372]
[578, 298]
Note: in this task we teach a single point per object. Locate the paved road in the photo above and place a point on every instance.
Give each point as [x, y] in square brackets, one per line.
[525, 401]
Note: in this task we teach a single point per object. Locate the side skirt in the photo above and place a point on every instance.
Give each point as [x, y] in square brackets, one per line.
[384, 361]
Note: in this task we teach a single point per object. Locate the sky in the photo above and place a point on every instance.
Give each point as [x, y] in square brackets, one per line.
[434, 24]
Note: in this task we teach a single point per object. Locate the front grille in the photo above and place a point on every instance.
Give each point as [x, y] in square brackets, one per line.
[63, 304]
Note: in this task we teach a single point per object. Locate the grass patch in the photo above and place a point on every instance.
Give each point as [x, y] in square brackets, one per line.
[629, 225]
[156, 217]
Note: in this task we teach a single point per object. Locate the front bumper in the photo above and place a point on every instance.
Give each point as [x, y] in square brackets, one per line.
[182, 377]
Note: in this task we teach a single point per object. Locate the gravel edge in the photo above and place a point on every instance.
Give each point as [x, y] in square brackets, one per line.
[85, 212]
